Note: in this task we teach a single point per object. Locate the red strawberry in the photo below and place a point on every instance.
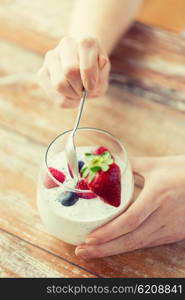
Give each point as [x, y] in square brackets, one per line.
[58, 175]
[100, 150]
[107, 185]
[82, 185]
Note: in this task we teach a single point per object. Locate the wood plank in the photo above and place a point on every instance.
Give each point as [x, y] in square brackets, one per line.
[151, 63]
[168, 14]
[20, 259]
[19, 161]
[37, 25]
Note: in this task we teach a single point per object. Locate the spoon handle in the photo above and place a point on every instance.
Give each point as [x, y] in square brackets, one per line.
[79, 112]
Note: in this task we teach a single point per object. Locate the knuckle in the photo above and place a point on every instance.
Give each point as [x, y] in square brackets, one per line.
[96, 252]
[60, 87]
[72, 72]
[64, 103]
[88, 42]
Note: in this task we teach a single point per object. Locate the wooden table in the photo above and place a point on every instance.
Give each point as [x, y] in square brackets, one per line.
[145, 108]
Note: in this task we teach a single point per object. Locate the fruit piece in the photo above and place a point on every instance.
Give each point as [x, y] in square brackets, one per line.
[103, 177]
[70, 170]
[58, 175]
[95, 163]
[68, 198]
[80, 164]
[107, 185]
[82, 185]
[100, 150]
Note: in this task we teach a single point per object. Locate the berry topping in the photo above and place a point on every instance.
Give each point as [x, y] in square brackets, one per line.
[80, 164]
[82, 185]
[103, 177]
[58, 175]
[100, 150]
[68, 198]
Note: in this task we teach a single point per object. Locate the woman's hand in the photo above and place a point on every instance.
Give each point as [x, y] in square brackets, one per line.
[71, 66]
[157, 216]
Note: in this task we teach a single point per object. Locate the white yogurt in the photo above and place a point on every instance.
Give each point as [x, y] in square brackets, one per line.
[73, 223]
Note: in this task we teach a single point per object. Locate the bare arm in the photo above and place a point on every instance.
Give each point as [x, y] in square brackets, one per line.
[105, 20]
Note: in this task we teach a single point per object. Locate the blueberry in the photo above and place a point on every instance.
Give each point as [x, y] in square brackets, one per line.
[80, 164]
[68, 198]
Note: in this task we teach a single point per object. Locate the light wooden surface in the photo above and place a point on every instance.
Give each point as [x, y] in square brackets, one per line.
[144, 107]
[165, 14]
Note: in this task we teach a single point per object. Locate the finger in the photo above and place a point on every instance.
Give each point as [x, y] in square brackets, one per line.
[139, 165]
[68, 51]
[160, 241]
[122, 244]
[58, 81]
[88, 57]
[143, 236]
[45, 83]
[142, 165]
[128, 221]
[68, 103]
[102, 84]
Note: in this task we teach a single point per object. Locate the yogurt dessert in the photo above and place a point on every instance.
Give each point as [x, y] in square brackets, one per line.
[70, 210]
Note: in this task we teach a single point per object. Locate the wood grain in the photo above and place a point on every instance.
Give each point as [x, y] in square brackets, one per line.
[150, 63]
[36, 25]
[28, 261]
[144, 108]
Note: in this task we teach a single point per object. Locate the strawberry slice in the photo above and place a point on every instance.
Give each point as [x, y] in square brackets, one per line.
[107, 185]
[100, 150]
[103, 177]
[58, 175]
[82, 185]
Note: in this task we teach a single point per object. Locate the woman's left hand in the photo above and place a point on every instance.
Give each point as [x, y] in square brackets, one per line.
[157, 216]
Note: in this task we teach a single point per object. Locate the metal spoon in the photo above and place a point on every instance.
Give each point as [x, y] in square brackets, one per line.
[70, 149]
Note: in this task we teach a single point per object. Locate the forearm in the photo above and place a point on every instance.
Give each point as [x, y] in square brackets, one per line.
[105, 20]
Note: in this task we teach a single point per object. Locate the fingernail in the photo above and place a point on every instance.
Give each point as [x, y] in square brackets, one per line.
[91, 241]
[82, 252]
[102, 62]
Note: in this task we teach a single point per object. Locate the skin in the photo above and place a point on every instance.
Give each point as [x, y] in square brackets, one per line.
[157, 217]
[71, 66]
[81, 59]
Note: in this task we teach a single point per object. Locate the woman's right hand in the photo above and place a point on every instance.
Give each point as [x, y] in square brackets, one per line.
[71, 66]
